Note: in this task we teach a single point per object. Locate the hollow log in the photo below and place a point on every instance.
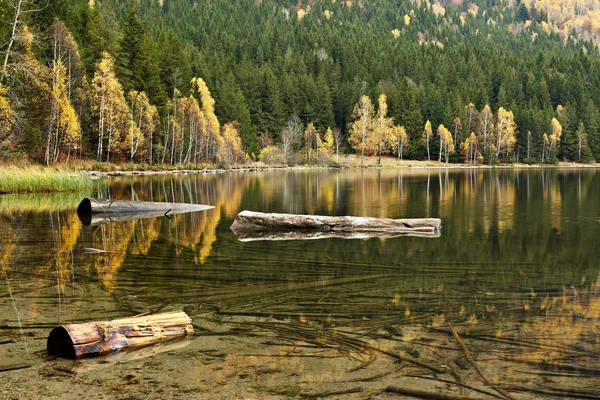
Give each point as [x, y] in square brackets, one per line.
[97, 212]
[105, 337]
[251, 225]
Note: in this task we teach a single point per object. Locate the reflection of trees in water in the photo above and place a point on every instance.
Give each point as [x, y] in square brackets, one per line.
[190, 232]
[114, 239]
[8, 244]
[508, 246]
[65, 229]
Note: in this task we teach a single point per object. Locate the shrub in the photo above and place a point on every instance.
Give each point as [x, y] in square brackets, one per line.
[272, 155]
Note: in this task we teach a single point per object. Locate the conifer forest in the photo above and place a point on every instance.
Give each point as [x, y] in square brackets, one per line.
[300, 82]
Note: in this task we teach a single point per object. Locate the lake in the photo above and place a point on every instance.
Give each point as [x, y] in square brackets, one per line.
[513, 281]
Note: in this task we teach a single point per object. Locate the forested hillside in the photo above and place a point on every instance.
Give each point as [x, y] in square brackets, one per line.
[181, 81]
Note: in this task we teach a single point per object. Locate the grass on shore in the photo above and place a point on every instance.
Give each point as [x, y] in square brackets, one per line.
[29, 178]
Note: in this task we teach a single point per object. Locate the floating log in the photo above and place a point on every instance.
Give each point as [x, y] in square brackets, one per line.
[104, 337]
[251, 225]
[96, 211]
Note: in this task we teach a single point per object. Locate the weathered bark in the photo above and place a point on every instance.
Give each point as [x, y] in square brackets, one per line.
[254, 225]
[104, 337]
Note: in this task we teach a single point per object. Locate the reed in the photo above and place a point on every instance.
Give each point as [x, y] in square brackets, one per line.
[37, 179]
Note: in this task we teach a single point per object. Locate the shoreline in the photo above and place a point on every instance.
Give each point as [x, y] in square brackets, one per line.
[261, 168]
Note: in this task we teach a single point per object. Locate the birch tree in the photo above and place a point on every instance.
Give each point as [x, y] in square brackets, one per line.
[143, 120]
[427, 133]
[66, 73]
[470, 117]
[401, 138]
[362, 126]
[581, 140]
[545, 143]
[232, 151]
[486, 126]
[382, 131]
[63, 124]
[25, 81]
[469, 149]
[291, 136]
[505, 138]
[109, 106]
[554, 137]
[446, 142]
[213, 137]
[19, 9]
[338, 137]
[457, 128]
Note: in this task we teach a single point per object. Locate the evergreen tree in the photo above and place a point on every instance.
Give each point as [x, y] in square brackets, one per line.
[232, 107]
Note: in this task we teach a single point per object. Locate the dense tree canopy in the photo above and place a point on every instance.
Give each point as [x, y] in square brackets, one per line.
[504, 73]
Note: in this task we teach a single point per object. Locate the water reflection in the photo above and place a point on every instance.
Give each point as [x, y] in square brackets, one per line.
[515, 272]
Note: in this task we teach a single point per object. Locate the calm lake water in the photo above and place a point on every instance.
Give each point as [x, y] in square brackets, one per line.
[515, 273]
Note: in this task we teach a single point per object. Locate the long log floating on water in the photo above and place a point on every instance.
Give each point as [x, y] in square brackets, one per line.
[98, 211]
[250, 225]
[105, 337]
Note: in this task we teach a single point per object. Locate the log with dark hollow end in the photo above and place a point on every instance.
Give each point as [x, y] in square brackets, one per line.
[251, 225]
[97, 211]
[104, 337]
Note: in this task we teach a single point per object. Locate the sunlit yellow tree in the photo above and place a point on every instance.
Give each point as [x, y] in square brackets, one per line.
[143, 120]
[505, 133]
[427, 133]
[109, 106]
[6, 115]
[25, 79]
[469, 149]
[197, 130]
[66, 72]
[231, 150]
[362, 126]
[555, 135]
[446, 142]
[545, 143]
[486, 123]
[312, 140]
[328, 141]
[382, 130]
[63, 124]
[213, 137]
[401, 139]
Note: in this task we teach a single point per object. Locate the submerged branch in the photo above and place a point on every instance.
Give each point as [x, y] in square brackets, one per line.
[474, 364]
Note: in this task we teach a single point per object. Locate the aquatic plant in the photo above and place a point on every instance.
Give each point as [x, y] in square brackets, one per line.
[34, 179]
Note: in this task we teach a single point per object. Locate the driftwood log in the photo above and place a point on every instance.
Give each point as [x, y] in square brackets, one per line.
[251, 225]
[96, 211]
[104, 337]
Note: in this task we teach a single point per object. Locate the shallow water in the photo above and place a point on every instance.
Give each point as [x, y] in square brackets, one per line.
[515, 272]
